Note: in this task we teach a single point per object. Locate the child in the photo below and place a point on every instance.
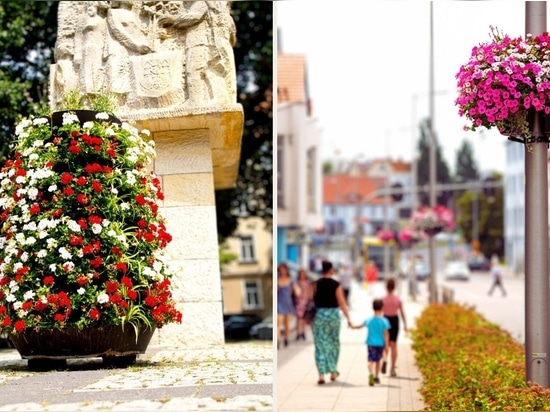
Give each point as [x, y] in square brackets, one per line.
[378, 338]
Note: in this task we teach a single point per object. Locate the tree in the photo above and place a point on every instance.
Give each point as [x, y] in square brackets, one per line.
[466, 166]
[490, 219]
[423, 164]
[253, 191]
[27, 38]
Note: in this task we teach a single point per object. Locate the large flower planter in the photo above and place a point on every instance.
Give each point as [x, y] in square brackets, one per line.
[116, 345]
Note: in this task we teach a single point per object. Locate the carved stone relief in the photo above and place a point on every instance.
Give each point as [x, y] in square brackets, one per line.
[152, 55]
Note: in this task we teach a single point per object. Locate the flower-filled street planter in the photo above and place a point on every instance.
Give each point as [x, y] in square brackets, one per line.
[506, 84]
[433, 221]
[81, 239]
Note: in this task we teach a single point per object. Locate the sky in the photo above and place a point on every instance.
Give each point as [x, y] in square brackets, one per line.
[368, 69]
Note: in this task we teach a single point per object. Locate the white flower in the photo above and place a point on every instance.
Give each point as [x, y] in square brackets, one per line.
[96, 228]
[102, 116]
[28, 295]
[40, 120]
[65, 254]
[102, 298]
[69, 118]
[88, 124]
[81, 291]
[74, 226]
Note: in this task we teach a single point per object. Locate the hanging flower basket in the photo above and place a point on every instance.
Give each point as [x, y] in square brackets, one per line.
[433, 221]
[385, 235]
[81, 237]
[409, 236]
[505, 84]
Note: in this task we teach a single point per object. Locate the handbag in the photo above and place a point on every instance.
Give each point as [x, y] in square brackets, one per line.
[311, 309]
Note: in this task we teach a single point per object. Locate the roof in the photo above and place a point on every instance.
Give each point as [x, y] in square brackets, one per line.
[291, 78]
[342, 189]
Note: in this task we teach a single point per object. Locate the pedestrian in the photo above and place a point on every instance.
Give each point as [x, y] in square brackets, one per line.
[301, 297]
[496, 273]
[393, 310]
[329, 300]
[371, 274]
[346, 273]
[377, 341]
[285, 306]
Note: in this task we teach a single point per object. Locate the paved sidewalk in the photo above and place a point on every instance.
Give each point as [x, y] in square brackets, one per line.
[297, 388]
[168, 377]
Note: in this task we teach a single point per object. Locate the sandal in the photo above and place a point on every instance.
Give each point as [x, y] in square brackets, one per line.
[334, 375]
[320, 381]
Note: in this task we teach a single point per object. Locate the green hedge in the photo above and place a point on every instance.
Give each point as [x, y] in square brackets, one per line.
[468, 363]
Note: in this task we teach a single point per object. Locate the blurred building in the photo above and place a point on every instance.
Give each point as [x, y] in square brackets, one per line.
[298, 172]
[247, 282]
[514, 207]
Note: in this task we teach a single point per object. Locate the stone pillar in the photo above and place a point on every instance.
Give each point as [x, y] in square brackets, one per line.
[170, 69]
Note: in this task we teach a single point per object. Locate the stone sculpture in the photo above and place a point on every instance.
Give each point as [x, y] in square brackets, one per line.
[173, 56]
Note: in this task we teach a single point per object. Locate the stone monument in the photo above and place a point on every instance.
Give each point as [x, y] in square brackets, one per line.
[170, 68]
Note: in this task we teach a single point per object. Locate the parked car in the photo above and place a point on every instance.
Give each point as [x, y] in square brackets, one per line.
[457, 270]
[480, 263]
[421, 269]
[262, 330]
[238, 326]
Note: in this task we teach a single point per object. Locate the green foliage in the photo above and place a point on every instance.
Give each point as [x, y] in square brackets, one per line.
[27, 37]
[101, 102]
[253, 191]
[226, 256]
[490, 222]
[423, 165]
[466, 167]
[470, 364]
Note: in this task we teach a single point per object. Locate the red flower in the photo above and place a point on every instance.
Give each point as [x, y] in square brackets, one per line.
[95, 219]
[66, 178]
[132, 294]
[151, 301]
[122, 267]
[20, 326]
[82, 280]
[59, 317]
[97, 186]
[82, 199]
[6, 321]
[81, 181]
[75, 240]
[111, 286]
[126, 281]
[94, 314]
[68, 191]
[48, 280]
[96, 262]
[74, 149]
[40, 306]
[34, 209]
[140, 199]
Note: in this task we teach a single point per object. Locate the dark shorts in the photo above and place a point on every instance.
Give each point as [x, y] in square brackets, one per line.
[375, 353]
[394, 331]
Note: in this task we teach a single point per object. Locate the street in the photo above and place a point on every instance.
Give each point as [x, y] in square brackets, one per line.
[508, 312]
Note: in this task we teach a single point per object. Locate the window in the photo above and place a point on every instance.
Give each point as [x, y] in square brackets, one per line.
[280, 172]
[247, 248]
[252, 294]
[311, 181]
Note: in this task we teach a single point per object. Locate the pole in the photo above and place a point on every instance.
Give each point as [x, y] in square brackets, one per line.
[536, 233]
[432, 170]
